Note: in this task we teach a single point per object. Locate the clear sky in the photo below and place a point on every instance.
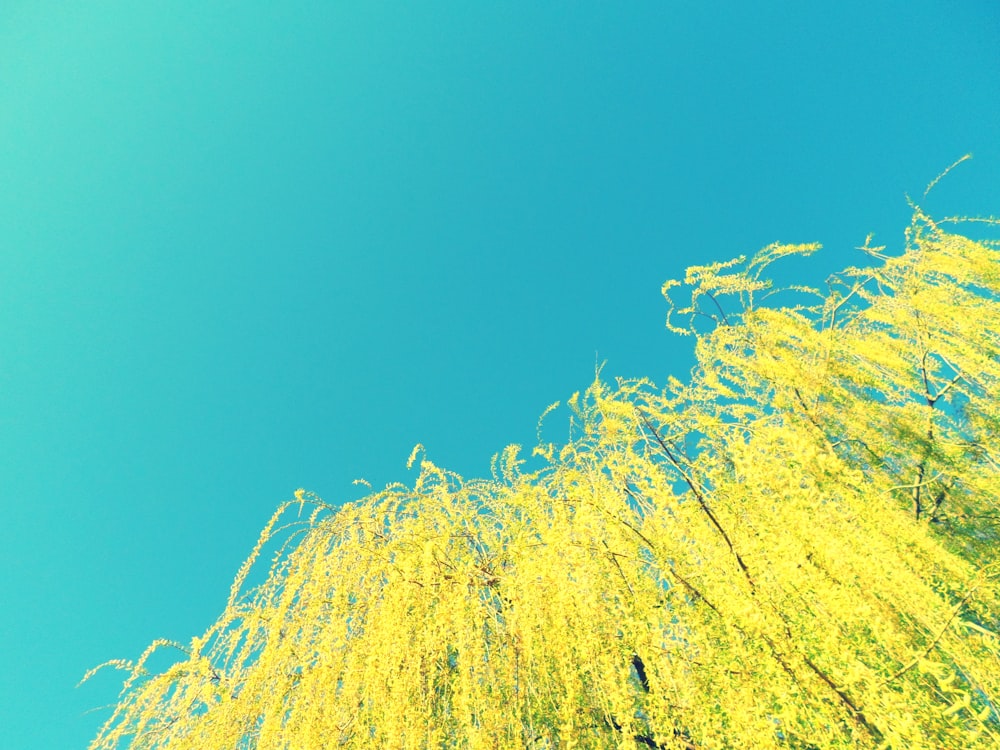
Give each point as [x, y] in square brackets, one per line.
[247, 247]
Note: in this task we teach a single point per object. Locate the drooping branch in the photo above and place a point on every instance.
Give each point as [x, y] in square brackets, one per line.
[699, 496]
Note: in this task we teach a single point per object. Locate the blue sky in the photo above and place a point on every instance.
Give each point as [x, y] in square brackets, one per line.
[250, 247]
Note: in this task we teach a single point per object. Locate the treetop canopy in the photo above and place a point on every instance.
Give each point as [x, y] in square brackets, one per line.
[795, 549]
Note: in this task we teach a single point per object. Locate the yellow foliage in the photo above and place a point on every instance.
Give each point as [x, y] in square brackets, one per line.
[795, 549]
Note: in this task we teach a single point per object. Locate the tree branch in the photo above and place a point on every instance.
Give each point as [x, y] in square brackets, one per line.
[700, 498]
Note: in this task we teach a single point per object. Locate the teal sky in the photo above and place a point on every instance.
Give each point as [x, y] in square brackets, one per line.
[249, 247]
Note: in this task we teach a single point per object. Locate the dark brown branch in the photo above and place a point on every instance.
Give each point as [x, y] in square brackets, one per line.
[916, 489]
[640, 670]
[648, 741]
[719, 307]
[856, 712]
[689, 586]
[700, 498]
[805, 410]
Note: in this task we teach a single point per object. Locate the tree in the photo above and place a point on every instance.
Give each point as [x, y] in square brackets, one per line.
[795, 549]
